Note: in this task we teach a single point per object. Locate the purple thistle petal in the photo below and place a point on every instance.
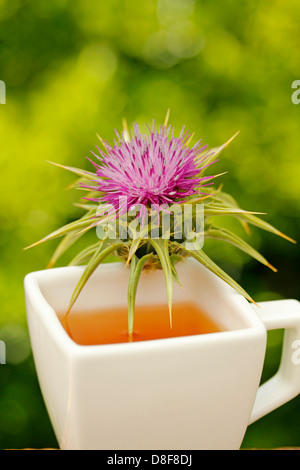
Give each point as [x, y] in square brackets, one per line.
[156, 169]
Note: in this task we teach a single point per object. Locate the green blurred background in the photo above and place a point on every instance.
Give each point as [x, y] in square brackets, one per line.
[76, 68]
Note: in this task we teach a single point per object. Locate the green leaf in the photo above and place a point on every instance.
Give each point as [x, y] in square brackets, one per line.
[223, 197]
[173, 260]
[244, 217]
[217, 233]
[65, 243]
[76, 226]
[78, 171]
[85, 254]
[213, 267]
[162, 249]
[214, 210]
[213, 153]
[88, 207]
[98, 257]
[78, 184]
[68, 240]
[253, 220]
[133, 248]
[136, 268]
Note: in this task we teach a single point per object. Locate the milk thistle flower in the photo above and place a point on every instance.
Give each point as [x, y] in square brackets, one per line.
[151, 171]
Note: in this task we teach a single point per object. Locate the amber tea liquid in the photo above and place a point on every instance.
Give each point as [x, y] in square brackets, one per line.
[150, 322]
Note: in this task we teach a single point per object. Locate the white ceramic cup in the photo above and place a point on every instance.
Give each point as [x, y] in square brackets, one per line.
[185, 393]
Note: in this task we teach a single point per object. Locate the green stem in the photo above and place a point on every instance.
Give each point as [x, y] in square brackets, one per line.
[136, 268]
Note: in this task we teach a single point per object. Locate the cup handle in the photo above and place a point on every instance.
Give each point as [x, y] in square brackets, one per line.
[285, 384]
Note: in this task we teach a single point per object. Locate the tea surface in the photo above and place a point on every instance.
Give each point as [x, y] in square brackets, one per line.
[150, 322]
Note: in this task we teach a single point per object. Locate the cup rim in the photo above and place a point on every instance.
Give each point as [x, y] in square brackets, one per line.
[49, 318]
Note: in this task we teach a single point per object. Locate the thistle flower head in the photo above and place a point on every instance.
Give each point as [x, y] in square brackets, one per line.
[149, 170]
[152, 171]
